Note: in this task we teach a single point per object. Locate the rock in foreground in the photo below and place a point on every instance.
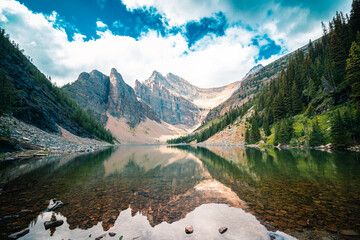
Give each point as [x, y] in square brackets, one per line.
[189, 229]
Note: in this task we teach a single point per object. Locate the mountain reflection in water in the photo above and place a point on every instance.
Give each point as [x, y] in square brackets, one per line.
[153, 192]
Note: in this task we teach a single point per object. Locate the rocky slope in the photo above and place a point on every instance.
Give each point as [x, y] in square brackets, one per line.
[109, 94]
[177, 101]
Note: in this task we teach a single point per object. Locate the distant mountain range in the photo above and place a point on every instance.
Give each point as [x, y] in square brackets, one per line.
[159, 108]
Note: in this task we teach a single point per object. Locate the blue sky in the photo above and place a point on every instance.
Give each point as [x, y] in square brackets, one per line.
[208, 42]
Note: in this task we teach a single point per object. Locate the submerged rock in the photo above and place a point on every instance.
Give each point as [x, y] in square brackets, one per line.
[54, 204]
[24, 212]
[101, 236]
[223, 230]
[19, 234]
[56, 223]
[189, 229]
[349, 233]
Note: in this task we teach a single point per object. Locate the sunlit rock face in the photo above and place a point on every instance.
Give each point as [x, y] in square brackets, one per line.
[177, 101]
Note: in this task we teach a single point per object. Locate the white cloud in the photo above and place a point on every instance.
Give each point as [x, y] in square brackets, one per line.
[100, 24]
[214, 61]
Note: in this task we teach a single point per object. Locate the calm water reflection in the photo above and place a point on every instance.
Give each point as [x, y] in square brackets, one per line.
[153, 192]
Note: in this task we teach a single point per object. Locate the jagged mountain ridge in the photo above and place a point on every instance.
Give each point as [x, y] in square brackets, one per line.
[109, 94]
[177, 101]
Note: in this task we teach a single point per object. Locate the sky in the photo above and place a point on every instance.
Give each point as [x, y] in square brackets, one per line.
[210, 43]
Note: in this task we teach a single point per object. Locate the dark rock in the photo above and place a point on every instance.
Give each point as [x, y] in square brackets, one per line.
[112, 234]
[349, 233]
[223, 230]
[19, 234]
[49, 224]
[54, 204]
[24, 212]
[189, 229]
[101, 236]
[10, 217]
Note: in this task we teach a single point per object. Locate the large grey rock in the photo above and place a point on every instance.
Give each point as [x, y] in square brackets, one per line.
[50, 224]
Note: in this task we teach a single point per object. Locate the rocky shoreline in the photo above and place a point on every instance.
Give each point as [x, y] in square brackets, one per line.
[21, 140]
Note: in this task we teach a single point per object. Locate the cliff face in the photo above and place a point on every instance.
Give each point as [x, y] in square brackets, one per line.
[102, 94]
[91, 91]
[170, 107]
[177, 101]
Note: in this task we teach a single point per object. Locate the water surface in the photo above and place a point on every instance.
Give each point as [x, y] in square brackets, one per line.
[153, 192]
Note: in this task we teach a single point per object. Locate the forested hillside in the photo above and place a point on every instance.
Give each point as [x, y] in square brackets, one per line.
[31, 97]
[315, 100]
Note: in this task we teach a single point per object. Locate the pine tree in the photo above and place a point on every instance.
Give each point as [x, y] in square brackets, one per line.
[296, 99]
[316, 136]
[254, 133]
[355, 17]
[339, 137]
[353, 71]
[278, 108]
[267, 129]
[247, 136]
[7, 93]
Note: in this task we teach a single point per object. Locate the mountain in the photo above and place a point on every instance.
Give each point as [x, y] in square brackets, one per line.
[115, 104]
[39, 102]
[257, 77]
[91, 90]
[109, 94]
[177, 101]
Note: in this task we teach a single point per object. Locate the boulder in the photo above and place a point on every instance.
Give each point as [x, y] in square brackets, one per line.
[112, 234]
[50, 224]
[189, 229]
[54, 204]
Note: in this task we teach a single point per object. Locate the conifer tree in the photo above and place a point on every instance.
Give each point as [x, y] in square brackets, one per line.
[296, 99]
[353, 71]
[339, 137]
[316, 136]
[254, 133]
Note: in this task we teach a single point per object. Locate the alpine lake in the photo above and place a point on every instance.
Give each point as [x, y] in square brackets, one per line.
[154, 192]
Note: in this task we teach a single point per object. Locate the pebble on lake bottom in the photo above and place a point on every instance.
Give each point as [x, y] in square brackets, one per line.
[223, 230]
[189, 229]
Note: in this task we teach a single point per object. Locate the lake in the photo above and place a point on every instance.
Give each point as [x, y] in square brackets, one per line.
[154, 192]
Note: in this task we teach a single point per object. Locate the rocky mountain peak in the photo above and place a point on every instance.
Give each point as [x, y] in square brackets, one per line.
[254, 69]
[84, 76]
